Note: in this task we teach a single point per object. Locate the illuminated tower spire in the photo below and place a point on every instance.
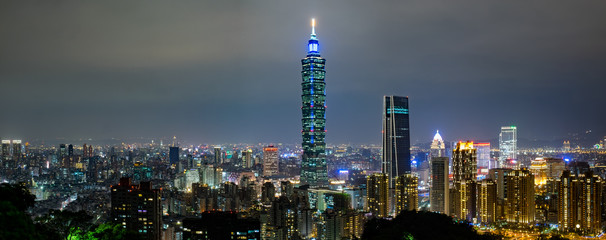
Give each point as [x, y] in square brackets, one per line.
[313, 97]
[313, 28]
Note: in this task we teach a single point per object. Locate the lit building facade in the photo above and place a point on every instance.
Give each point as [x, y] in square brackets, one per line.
[486, 201]
[439, 197]
[464, 168]
[270, 161]
[137, 208]
[377, 194]
[508, 143]
[484, 160]
[519, 196]
[313, 164]
[396, 137]
[407, 194]
[579, 198]
[437, 148]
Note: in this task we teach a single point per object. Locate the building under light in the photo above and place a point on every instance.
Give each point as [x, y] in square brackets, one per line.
[486, 201]
[377, 194]
[439, 197]
[313, 164]
[270, 161]
[396, 137]
[137, 208]
[519, 196]
[579, 201]
[464, 168]
[508, 142]
[407, 194]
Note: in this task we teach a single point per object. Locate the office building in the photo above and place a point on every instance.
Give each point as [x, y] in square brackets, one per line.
[439, 197]
[579, 198]
[437, 148]
[508, 143]
[173, 155]
[377, 194]
[137, 208]
[218, 155]
[396, 137]
[483, 152]
[247, 159]
[313, 164]
[407, 194]
[270, 161]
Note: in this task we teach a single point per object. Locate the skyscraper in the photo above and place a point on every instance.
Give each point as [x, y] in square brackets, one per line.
[464, 172]
[313, 164]
[270, 161]
[508, 142]
[377, 194]
[438, 149]
[439, 198]
[396, 137]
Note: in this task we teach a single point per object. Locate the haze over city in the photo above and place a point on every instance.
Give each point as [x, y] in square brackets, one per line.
[230, 72]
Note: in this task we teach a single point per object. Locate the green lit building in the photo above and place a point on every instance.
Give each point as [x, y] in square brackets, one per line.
[313, 164]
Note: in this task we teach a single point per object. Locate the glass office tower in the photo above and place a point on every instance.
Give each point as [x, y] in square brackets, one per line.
[313, 164]
[508, 142]
[396, 137]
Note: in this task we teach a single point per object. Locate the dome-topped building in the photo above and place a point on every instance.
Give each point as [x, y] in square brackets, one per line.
[438, 148]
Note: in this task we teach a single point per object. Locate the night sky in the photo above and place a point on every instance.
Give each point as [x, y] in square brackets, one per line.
[229, 71]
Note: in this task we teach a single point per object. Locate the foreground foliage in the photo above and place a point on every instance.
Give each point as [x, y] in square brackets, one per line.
[420, 226]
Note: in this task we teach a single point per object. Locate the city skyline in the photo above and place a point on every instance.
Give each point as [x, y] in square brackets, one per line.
[73, 75]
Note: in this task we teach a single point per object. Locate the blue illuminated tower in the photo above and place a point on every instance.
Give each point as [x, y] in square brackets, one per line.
[313, 164]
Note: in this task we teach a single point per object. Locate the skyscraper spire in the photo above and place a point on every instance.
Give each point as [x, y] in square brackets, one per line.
[313, 27]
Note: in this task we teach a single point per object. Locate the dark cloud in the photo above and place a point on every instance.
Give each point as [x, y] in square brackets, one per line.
[216, 71]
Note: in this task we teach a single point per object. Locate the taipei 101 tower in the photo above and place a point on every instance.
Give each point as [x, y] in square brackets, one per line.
[313, 164]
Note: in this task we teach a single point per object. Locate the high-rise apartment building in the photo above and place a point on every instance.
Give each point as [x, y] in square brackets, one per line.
[519, 196]
[137, 208]
[464, 161]
[313, 164]
[407, 194]
[396, 137]
[439, 198]
[377, 194]
[270, 161]
[464, 169]
[486, 205]
[508, 143]
[579, 198]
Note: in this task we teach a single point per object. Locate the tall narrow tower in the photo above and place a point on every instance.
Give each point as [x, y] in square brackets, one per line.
[313, 164]
[396, 137]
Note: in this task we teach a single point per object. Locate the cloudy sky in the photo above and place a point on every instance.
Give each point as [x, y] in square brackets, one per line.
[229, 71]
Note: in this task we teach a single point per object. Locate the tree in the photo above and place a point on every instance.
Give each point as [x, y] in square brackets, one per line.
[421, 225]
[18, 195]
[66, 222]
